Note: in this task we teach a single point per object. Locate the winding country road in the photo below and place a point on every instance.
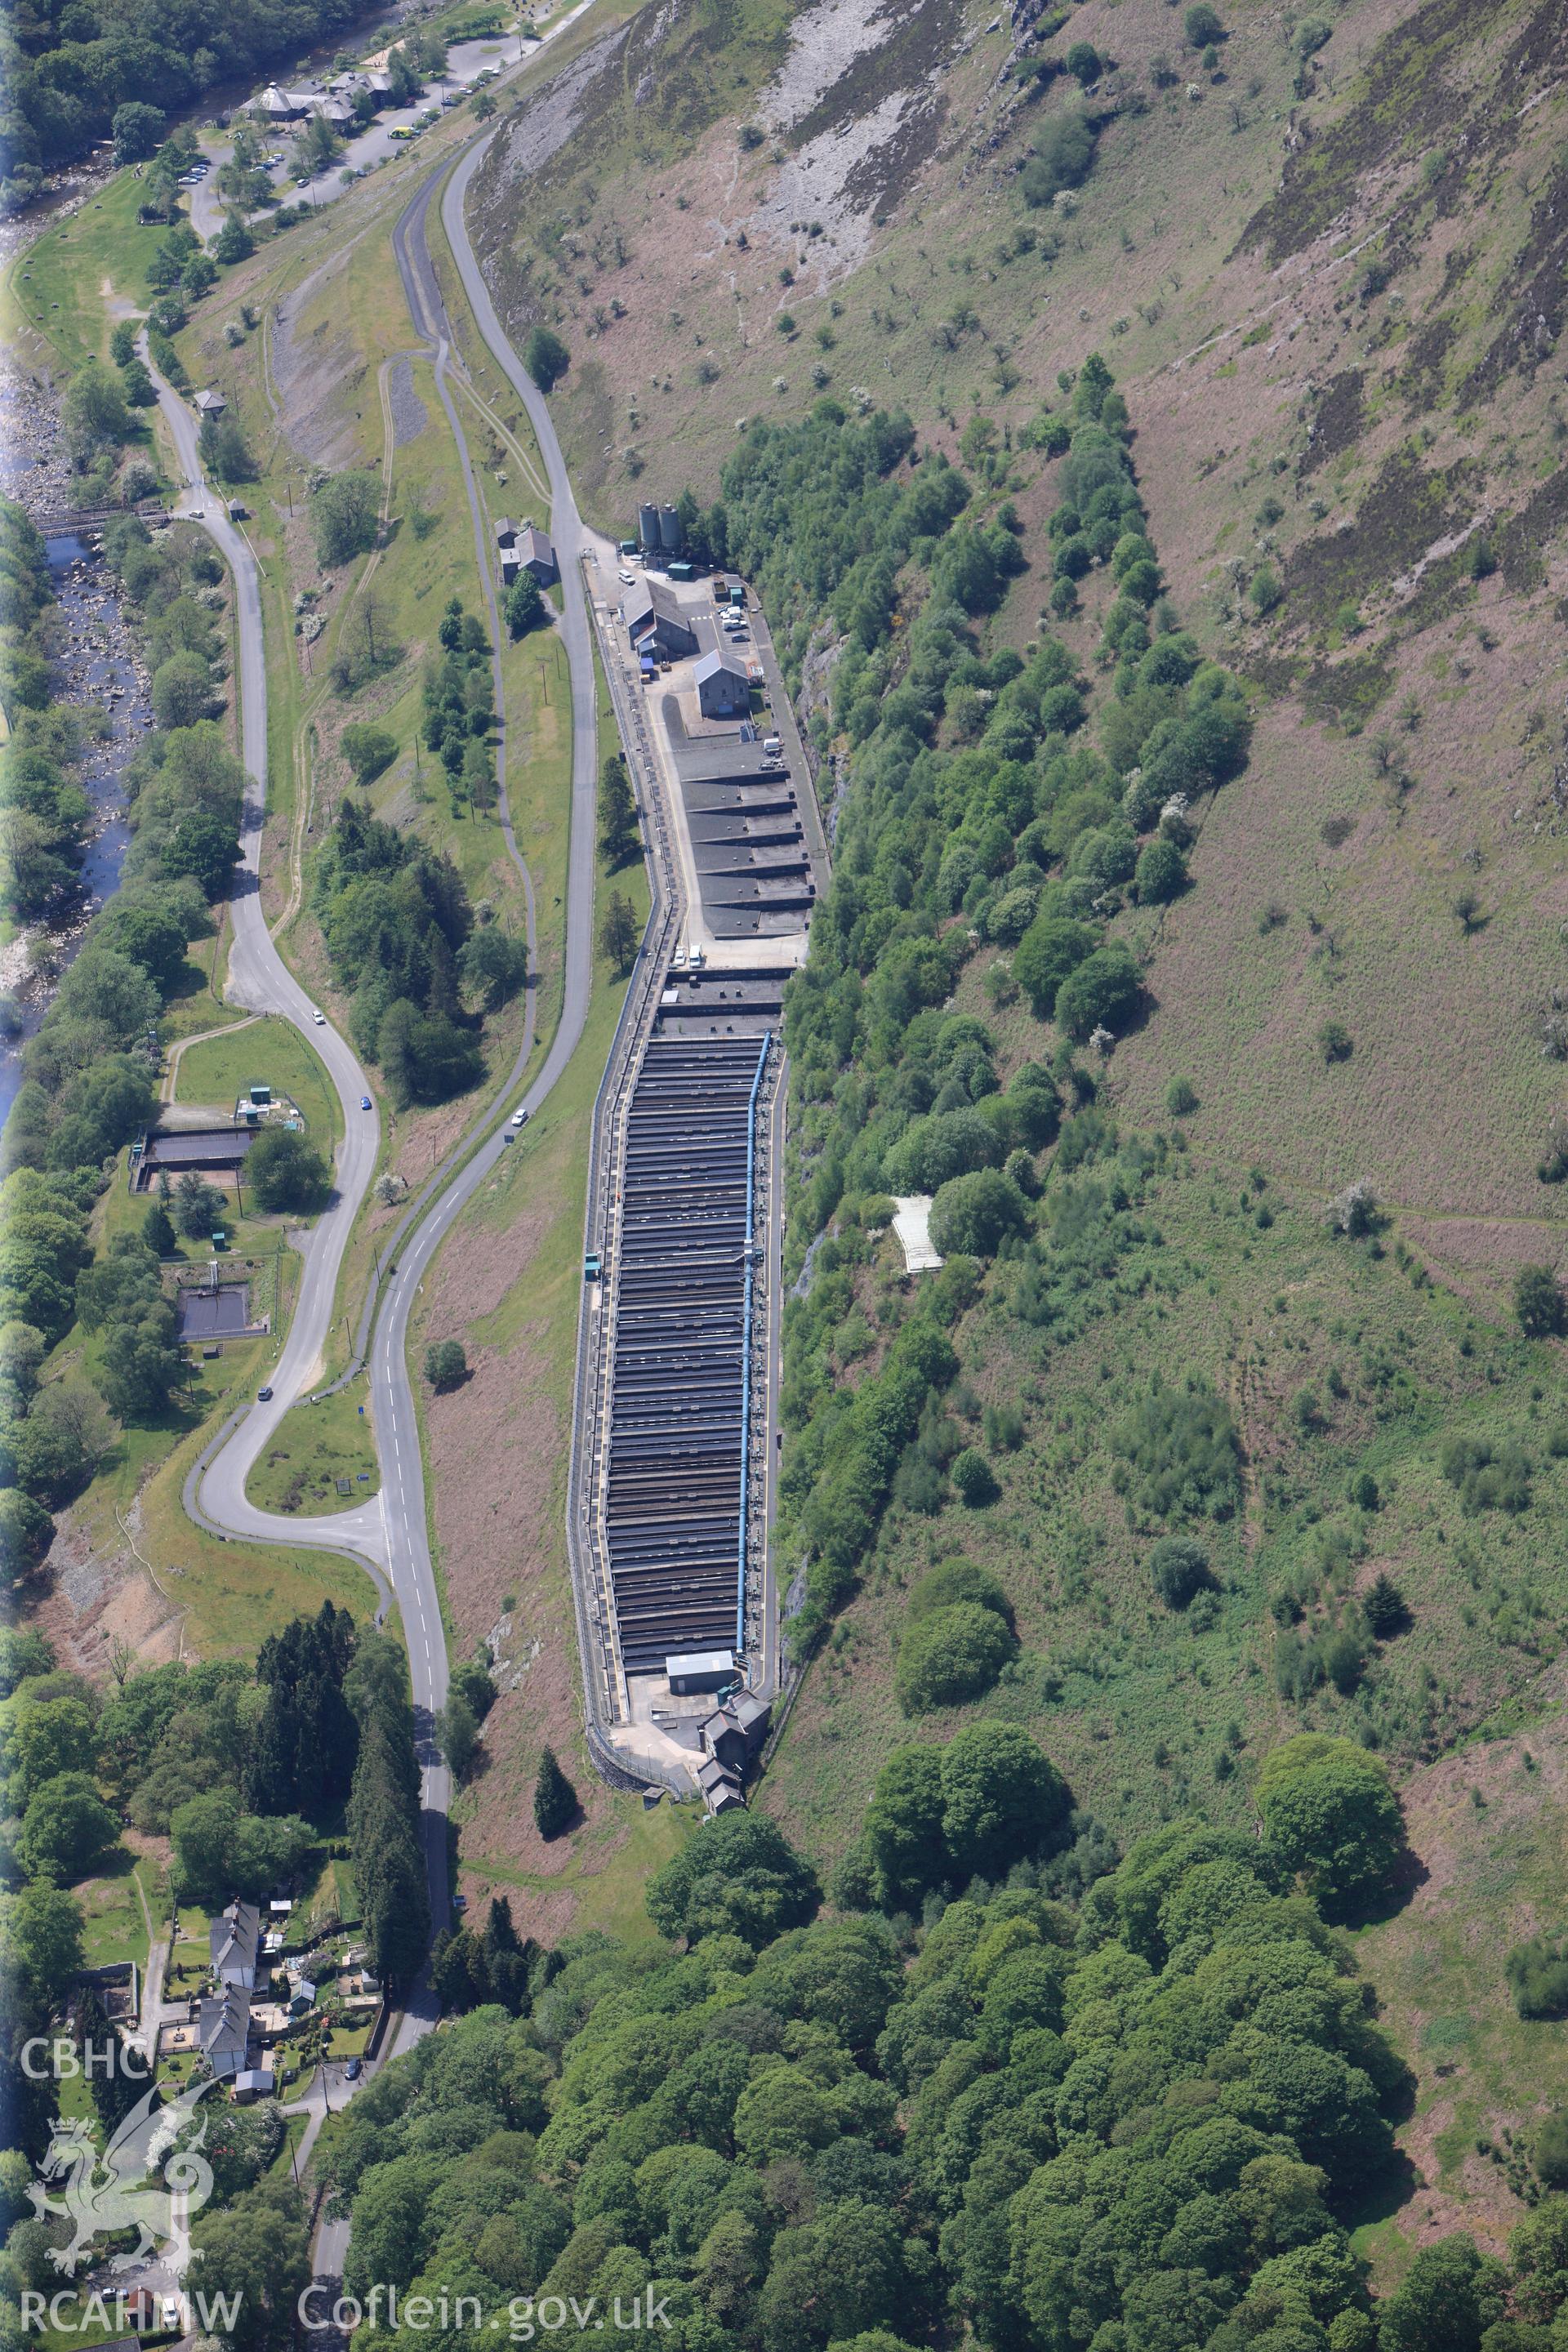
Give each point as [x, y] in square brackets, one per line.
[389, 1537]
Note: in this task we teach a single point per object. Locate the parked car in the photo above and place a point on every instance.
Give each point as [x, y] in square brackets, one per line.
[352, 2071]
[627, 579]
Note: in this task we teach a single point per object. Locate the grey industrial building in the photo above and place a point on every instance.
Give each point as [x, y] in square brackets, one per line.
[723, 685]
[656, 621]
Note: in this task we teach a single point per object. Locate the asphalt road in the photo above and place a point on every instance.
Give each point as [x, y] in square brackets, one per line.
[392, 1532]
[566, 531]
[260, 979]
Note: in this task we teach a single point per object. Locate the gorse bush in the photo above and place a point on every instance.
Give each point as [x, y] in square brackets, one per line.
[952, 1654]
[953, 1582]
[1184, 1452]
[1537, 1973]
[1064, 153]
[1490, 1475]
[1179, 1571]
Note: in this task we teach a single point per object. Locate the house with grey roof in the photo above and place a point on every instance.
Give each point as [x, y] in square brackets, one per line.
[535, 554]
[723, 686]
[655, 621]
[223, 2033]
[234, 1940]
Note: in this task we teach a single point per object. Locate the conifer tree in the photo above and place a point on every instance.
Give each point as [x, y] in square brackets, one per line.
[554, 1798]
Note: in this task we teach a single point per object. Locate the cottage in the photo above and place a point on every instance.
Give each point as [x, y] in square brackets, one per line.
[733, 1733]
[724, 1741]
[233, 1940]
[210, 403]
[713, 1777]
[535, 554]
[753, 1714]
[223, 2034]
[723, 688]
[655, 621]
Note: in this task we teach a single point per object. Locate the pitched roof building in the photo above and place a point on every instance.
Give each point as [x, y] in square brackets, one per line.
[653, 617]
[224, 2030]
[234, 1940]
[535, 554]
[723, 685]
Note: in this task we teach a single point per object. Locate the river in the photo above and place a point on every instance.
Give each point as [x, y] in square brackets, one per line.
[98, 665]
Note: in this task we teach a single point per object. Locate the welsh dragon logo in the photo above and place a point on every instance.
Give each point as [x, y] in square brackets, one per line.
[145, 2179]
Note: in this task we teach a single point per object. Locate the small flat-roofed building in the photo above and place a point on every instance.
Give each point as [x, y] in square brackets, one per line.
[212, 1150]
[911, 1223]
[506, 549]
[699, 1670]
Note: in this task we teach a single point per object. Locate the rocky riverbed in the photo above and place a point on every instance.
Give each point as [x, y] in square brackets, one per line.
[98, 672]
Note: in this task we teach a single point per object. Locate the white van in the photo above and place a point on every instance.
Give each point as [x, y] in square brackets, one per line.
[772, 746]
